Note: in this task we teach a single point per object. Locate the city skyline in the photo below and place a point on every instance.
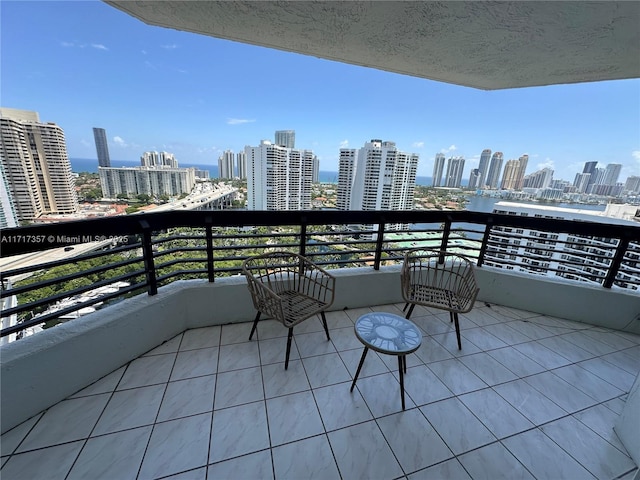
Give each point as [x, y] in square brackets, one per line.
[159, 89]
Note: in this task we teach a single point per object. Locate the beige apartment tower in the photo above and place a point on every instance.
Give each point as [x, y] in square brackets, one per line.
[36, 165]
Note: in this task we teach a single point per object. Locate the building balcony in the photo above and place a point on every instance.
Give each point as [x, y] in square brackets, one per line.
[167, 385]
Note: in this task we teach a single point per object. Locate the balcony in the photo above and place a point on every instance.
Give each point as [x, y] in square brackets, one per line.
[165, 384]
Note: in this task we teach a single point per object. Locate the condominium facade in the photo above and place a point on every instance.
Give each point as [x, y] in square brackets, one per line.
[495, 167]
[453, 177]
[438, 169]
[102, 147]
[36, 165]
[377, 176]
[555, 254]
[286, 138]
[540, 179]
[158, 159]
[8, 213]
[316, 170]
[483, 167]
[226, 164]
[241, 165]
[157, 181]
[278, 178]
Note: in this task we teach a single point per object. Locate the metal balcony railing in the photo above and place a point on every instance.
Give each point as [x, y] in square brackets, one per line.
[138, 253]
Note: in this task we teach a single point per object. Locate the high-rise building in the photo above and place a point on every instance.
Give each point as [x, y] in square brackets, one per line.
[36, 165]
[286, 138]
[581, 182]
[225, 164]
[453, 177]
[535, 255]
[278, 178]
[590, 168]
[522, 167]
[241, 163]
[474, 179]
[377, 176]
[493, 176]
[158, 180]
[102, 148]
[611, 174]
[540, 179]
[158, 159]
[483, 167]
[510, 175]
[632, 184]
[316, 170]
[8, 214]
[438, 169]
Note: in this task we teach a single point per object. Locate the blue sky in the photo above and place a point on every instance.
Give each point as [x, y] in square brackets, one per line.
[84, 64]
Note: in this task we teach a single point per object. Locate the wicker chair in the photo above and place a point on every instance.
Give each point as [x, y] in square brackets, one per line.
[438, 279]
[288, 288]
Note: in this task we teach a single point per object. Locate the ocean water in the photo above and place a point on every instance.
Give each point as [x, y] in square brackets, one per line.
[91, 166]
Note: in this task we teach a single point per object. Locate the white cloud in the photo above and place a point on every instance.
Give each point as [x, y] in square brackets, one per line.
[67, 44]
[417, 144]
[344, 144]
[148, 64]
[99, 46]
[144, 52]
[169, 47]
[451, 148]
[239, 121]
[548, 163]
[182, 71]
[119, 141]
[85, 143]
[636, 155]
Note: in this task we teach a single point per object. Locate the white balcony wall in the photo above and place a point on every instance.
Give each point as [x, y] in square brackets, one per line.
[43, 369]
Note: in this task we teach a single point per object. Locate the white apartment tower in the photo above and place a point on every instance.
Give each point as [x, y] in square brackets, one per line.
[286, 138]
[376, 177]
[36, 165]
[158, 159]
[278, 178]
[493, 176]
[438, 169]
[225, 164]
[241, 164]
[483, 167]
[157, 181]
[453, 177]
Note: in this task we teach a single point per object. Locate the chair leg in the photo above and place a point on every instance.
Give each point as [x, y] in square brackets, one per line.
[255, 325]
[410, 311]
[289, 337]
[451, 314]
[364, 354]
[455, 317]
[324, 323]
[405, 307]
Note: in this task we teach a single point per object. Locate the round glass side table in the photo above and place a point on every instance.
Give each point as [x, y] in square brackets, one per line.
[389, 334]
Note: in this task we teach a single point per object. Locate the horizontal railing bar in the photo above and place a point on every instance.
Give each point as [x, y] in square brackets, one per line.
[65, 261]
[45, 318]
[69, 293]
[66, 278]
[132, 224]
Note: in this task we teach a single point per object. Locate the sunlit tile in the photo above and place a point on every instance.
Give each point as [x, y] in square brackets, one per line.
[495, 413]
[339, 407]
[293, 417]
[310, 458]
[205, 337]
[238, 431]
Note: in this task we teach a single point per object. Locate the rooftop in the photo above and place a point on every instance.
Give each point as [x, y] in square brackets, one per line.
[529, 396]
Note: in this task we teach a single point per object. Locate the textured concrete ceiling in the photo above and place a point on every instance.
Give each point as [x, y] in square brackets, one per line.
[487, 45]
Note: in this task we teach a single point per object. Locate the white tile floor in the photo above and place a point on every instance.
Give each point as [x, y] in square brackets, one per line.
[527, 397]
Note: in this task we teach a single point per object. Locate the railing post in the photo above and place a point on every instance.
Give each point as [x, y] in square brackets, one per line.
[379, 241]
[445, 238]
[209, 232]
[147, 255]
[485, 241]
[303, 236]
[616, 262]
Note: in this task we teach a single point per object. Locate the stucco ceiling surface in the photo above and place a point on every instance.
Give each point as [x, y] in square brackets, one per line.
[487, 45]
